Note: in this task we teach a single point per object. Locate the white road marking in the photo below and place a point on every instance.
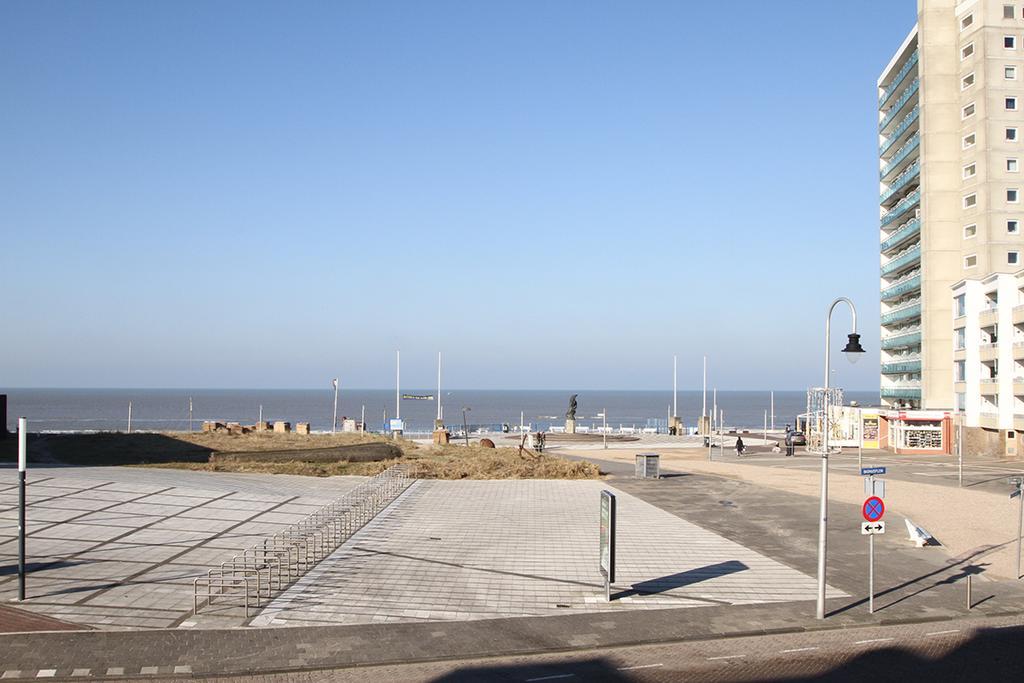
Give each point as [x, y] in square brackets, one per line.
[183, 669]
[46, 673]
[798, 649]
[12, 673]
[710, 659]
[873, 640]
[147, 670]
[115, 671]
[550, 678]
[640, 666]
[939, 633]
[81, 672]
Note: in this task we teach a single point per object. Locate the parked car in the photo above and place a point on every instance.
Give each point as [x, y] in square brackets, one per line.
[798, 438]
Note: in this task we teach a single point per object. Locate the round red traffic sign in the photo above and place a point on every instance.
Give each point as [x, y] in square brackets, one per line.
[873, 509]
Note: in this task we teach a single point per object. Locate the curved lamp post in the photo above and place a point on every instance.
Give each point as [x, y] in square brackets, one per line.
[852, 349]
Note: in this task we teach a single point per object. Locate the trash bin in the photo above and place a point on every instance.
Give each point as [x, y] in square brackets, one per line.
[648, 466]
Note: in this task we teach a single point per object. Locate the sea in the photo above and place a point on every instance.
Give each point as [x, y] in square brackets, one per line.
[82, 410]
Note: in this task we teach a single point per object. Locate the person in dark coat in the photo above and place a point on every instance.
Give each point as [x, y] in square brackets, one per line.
[789, 443]
[739, 445]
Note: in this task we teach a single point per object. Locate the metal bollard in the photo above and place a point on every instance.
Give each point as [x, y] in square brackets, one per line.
[970, 603]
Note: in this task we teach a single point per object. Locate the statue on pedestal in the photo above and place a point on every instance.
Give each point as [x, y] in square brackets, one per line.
[570, 416]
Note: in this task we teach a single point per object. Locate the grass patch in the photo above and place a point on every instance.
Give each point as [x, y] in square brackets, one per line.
[445, 462]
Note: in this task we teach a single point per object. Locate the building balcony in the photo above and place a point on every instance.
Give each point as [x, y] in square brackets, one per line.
[894, 84]
[901, 367]
[901, 287]
[989, 385]
[898, 211]
[988, 351]
[1018, 350]
[907, 258]
[897, 133]
[900, 237]
[912, 143]
[909, 393]
[909, 174]
[897, 106]
[1018, 314]
[904, 313]
[988, 317]
[902, 341]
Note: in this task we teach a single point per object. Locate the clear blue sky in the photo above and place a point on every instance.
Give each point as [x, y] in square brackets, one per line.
[555, 194]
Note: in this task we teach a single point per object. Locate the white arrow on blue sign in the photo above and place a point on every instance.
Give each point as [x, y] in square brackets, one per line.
[867, 471]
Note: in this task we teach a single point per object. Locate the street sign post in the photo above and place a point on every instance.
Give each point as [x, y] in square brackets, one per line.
[873, 510]
[1018, 492]
[607, 548]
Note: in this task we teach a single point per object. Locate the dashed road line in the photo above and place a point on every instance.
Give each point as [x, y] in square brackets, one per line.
[874, 640]
[711, 659]
[942, 633]
[639, 666]
[797, 649]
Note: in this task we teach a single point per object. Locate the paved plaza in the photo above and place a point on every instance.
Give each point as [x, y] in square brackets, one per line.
[119, 547]
[454, 550]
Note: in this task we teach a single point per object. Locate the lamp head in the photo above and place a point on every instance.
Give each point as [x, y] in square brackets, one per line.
[853, 348]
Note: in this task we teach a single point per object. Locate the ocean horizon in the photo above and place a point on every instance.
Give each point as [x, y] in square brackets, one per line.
[95, 409]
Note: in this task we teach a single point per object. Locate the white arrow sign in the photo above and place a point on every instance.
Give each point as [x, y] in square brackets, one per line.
[868, 528]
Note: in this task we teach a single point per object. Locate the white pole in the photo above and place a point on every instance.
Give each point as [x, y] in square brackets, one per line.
[129, 417]
[522, 416]
[704, 400]
[604, 417]
[22, 465]
[398, 383]
[675, 387]
[362, 419]
[714, 408]
[438, 386]
[190, 414]
[773, 411]
[261, 414]
[766, 428]
[334, 415]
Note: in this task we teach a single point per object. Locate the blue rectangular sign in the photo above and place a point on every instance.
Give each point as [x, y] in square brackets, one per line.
[865, 471]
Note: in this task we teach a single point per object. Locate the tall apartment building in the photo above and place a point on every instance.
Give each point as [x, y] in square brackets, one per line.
[951, 119]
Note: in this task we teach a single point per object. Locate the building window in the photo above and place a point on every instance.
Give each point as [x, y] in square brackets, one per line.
[967, 81]
[970, 231]
[969, 171]
[961, 306]
[1012, 166]
[1012, 195]
[958, 373]
[966, 21]
[1012, 258]
[966, 51]
[960, 336]
[1013, 226]
[1008, 11]
[970, 200]
[961, 402]
[967, 111]
[1011, 103]
[1011, 135]
[970, 261]
[1010, 73]
[969, 140]
[1010, 42]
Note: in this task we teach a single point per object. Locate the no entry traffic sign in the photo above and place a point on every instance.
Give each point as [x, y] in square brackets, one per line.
[873, 509]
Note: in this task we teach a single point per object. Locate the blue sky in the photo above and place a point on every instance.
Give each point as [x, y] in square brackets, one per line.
[555, 194]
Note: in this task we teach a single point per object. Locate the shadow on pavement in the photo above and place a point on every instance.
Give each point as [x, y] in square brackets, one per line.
[597, 669]
[689, 577]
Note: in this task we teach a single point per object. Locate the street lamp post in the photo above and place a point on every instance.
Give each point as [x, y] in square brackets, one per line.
[465, 426]
[853, 347]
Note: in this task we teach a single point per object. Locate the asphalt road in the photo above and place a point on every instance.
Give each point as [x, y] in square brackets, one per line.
[965, 650]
